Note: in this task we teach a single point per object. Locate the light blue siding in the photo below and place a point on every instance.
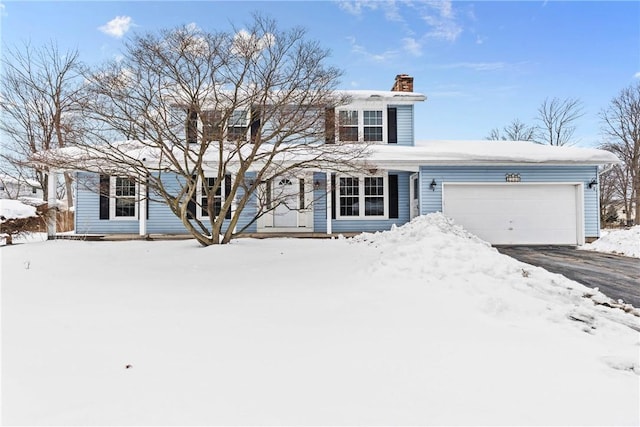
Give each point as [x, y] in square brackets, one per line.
[405, 124]
[161, 219]
[249, 211]
[431, 201]
[87, 216]
[339, 226]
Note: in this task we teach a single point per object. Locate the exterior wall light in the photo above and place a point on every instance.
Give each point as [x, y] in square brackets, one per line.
[512, 177]
[433, 185]
[593, 183]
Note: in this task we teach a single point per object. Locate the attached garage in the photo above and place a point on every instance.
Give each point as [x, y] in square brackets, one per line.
[518, 213]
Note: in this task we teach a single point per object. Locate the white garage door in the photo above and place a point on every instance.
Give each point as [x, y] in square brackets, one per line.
[533, 214]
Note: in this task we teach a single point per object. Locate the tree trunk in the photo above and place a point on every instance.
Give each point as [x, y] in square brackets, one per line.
[68, 182]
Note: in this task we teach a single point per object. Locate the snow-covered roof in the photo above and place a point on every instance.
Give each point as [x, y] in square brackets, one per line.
[486, 152]
[387, 95]
[386, 156]
[7, 179]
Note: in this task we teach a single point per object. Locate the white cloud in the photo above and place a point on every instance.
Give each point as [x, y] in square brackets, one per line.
[356, 7]
[3, 10]
[117, 27]
[477, 66]
[441, 19]
[412, 46]
[637, 75]
[376, 57]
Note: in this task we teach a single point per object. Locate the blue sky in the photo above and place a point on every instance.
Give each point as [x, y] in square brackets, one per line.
[480, 63]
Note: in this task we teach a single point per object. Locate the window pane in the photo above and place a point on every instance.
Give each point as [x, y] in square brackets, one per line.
[373, 196]
[125, 207]
[125, 187]
[348, 133]
[374, 206]
[349, 200]
[217, 199]
[349, 186]
[238, 118]
[349, 206]
[348, 118]
[372, 118]
[374, 186]
[373, 133]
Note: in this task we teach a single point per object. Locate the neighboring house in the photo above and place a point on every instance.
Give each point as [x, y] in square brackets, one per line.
[505, 192]
[13, 188]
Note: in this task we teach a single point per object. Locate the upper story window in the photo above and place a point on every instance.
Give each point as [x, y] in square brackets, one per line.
[348, 125]
[372, 121]
[213, 126]
[361, 125]
[237, 125]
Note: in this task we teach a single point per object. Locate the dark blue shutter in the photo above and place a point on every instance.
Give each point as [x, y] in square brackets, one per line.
[227, 190]
[393, 196]
[104, 196]
[255, 124]
[392, 125]
[333, 196]
[330, 125]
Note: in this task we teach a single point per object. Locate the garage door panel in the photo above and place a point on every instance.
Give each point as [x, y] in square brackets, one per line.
[515, 214]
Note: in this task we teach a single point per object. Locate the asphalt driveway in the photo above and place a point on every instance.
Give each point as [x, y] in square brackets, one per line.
[616, 276]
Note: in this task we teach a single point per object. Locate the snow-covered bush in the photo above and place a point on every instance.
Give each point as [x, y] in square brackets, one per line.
[17, 218]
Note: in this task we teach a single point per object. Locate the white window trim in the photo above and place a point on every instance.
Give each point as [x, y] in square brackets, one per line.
[361, 198]
[361, 108]
[199, 206]
[112, 200]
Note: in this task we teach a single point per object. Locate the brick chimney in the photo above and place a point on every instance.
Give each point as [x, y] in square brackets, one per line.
[404, 83]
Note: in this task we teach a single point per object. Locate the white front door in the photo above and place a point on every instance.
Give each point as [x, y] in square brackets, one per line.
[414, 193]
[285, 196]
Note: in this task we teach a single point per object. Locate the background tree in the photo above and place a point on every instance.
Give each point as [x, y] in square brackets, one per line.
[195, 106]
[621, 129]
[39, 104]
[514, 131]
[556, 119]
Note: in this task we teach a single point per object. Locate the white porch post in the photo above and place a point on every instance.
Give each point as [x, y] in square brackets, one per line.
[142, 209]
[52, 204]
[329, 190]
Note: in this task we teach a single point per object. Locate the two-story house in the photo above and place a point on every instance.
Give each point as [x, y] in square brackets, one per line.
[504, 191]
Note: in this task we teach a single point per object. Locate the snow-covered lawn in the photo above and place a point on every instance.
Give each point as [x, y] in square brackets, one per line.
[623, 242]
[424, 324]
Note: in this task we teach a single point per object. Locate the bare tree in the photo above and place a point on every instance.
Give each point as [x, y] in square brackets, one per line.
[196, 107]
[557, 120]
[38, 100]
[621, 128]
[514, 131]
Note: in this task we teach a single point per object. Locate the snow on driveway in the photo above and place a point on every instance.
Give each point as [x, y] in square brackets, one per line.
[424, 324]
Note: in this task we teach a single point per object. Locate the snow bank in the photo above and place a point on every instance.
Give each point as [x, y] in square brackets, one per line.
[10, 209]
[621, 242]
[435, 249]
